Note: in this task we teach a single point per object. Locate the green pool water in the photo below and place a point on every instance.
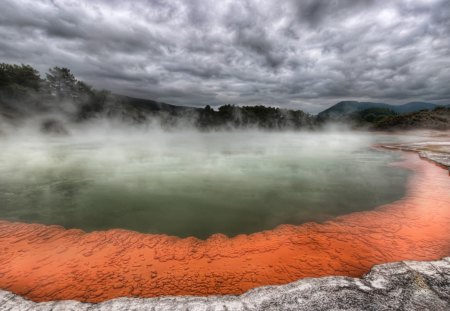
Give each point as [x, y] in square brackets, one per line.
[194, 184]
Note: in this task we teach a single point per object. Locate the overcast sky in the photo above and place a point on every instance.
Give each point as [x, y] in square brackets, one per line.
[305, 54]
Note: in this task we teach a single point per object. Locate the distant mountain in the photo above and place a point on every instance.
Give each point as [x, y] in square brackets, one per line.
[345, 109]
[151, 105]
[138, 109]
[413, 107]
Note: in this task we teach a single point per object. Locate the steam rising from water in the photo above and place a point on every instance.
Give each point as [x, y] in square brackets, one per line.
[189, 183]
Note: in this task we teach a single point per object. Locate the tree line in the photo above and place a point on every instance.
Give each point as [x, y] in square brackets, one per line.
[21, 86]
[23, 93]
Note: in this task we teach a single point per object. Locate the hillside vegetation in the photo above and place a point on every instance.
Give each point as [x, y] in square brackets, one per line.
[437, 119]
[60, 99]
[380, 116]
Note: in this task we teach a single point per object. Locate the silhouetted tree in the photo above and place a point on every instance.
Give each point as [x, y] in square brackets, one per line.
[13, 76]
[62, 82]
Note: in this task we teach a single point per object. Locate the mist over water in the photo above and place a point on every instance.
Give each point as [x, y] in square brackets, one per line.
[187, 183]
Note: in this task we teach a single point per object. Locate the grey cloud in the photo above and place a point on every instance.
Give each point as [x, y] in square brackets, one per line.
[314, 12]
[300, 54]
[256, 41]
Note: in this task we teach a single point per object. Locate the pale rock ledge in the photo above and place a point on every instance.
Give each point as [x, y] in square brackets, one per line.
[406, 285]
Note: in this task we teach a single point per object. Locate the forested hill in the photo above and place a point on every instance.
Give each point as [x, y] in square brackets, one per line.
[381, 116]
[436, 119]
[345, 109]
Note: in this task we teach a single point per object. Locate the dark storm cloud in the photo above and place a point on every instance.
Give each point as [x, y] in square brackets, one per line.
[303, 54]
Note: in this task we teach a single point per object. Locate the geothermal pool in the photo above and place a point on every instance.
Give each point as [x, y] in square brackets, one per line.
[198, 184]
[194, 184]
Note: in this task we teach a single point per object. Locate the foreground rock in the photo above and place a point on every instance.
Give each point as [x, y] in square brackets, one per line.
[407, 285]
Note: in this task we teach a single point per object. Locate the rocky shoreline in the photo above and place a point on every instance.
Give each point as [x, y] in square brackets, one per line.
[405, 285]
[437, 152]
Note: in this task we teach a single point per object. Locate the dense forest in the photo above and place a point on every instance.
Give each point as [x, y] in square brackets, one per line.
[60, 98]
